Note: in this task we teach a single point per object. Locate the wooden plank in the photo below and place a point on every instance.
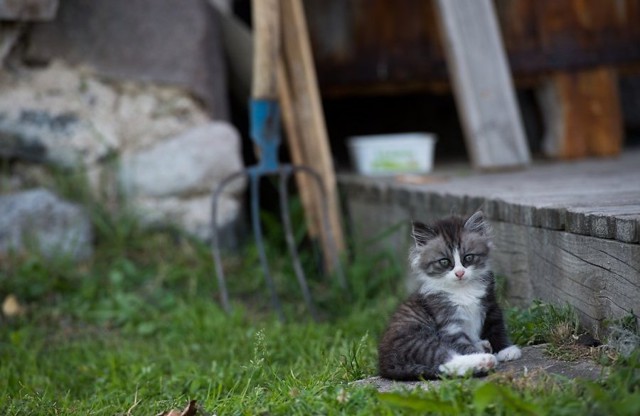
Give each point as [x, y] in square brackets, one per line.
[602, 105]
[628, 228]
[599, 221]
[305, 184]
[313, 138]
[582, 113]
[600, 278]
[266, 48]
[482, 82]
[566, 210]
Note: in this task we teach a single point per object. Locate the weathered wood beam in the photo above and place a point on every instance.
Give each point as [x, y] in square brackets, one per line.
[482, 83]
[582, 114]
[309, 138]
[598, 277]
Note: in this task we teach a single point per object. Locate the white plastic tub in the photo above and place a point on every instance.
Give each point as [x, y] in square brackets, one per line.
[389, 154]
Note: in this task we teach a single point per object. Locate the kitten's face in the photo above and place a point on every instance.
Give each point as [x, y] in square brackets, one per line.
[451, 253]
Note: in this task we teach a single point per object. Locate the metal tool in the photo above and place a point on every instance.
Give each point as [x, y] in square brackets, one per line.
[265, 133]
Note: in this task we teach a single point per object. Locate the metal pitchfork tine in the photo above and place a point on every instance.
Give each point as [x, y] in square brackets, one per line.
[265, 133]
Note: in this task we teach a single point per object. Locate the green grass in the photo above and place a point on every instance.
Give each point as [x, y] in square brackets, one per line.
[137, 330]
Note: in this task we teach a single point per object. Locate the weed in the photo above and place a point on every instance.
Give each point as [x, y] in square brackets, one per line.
[542, 322]
[351, 362]
[624, 335]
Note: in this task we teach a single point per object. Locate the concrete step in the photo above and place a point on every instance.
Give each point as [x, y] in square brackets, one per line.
[533, 363]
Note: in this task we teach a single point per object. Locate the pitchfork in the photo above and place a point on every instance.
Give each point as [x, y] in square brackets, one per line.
[265, 133]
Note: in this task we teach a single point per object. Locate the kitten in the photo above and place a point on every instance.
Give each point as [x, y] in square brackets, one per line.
[452, 324]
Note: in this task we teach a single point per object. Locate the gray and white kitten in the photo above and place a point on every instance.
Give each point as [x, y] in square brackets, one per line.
[452, 324]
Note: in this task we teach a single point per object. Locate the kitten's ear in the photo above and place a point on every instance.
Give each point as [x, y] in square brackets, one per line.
[477, 224]
[421, 233]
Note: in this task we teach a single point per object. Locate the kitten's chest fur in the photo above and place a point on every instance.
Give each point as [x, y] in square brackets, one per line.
[469, 309]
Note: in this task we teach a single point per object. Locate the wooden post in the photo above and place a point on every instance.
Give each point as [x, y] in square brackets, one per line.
[266, 47]
[582, 114]
[306, 187]
[308, 139]
[482, 83]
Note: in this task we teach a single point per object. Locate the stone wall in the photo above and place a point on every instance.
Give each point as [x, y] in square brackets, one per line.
[130, 92]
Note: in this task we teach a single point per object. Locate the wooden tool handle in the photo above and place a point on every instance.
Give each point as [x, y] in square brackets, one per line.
[266, 48]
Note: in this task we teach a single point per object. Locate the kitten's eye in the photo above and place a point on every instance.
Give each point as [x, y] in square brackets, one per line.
[468, 258]
[444, 262]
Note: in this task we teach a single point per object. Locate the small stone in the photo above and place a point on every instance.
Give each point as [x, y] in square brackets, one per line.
[38, 219]
[11, 307]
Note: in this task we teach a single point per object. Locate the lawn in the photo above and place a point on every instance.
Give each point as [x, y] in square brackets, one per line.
[137, 330]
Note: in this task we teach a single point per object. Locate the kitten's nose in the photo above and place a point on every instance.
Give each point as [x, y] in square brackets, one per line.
[459, 273]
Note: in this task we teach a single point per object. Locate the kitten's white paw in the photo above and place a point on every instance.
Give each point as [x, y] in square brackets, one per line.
[509, 354]
[463, 364]
[484, 345]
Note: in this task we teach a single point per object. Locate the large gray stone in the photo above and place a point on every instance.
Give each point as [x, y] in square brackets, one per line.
[173, 42]
[38, 219]
[173, 180]
[193, 215]
[191, 163]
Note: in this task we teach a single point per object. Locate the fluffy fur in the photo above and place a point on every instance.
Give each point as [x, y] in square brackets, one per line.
[452, 324]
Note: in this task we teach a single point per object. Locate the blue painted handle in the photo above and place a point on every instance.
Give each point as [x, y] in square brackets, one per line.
[265, 133]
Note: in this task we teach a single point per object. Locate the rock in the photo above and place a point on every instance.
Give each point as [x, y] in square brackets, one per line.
[61, 138]
[175, 42]
[194, 215]
[70, 117]
[52, 225]
[173, 180]
[170, 155]
[191, 163]
[534, 362]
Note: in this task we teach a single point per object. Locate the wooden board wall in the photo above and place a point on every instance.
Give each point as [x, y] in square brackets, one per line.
[402, 51]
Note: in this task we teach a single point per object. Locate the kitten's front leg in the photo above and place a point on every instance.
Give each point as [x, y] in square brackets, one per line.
[495, 332]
